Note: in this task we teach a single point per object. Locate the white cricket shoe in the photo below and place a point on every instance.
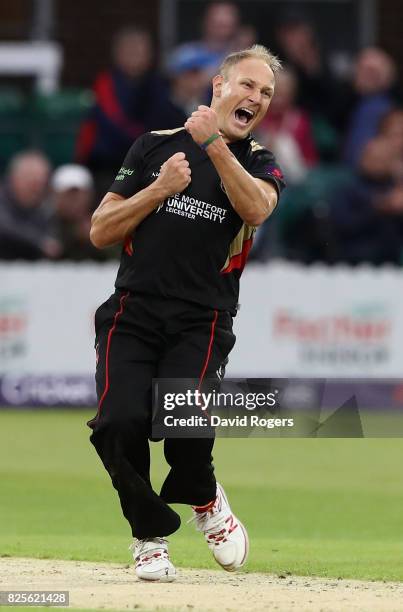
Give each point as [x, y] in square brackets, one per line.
[225, 535]
[151, 560]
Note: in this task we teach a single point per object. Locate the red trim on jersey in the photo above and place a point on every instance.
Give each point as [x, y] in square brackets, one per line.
[210, 345]
[237, 262]
[108, 346]
[128, 246]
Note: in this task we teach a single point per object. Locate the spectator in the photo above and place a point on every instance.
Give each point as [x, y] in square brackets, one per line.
[220, 30]
[128, 97]
[186, 73]
[299, 49]
[245, 37]
[374, 77]
[287, 132]
[26, 219]
[367, 216]
[391, 129]
[73, 199]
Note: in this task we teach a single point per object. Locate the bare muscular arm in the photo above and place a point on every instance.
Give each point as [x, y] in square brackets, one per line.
[116, 217]
[252, 198]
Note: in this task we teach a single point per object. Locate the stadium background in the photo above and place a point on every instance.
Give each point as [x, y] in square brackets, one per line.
[334, 505]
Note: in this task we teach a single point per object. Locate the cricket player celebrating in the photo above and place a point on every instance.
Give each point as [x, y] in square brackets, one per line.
[185, 205]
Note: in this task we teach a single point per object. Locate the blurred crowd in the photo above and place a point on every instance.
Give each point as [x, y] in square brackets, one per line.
[45, 214]
[337, 133]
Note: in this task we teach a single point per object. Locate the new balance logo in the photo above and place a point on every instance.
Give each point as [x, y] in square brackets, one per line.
[232, 524]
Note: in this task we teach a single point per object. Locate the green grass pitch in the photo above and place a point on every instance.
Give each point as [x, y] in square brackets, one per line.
[325, 507]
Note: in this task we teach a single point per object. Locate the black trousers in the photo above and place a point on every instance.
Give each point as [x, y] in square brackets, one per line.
[139, 338]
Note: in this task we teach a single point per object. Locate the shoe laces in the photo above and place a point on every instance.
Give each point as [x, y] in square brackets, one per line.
[146, 550]
[214, 523]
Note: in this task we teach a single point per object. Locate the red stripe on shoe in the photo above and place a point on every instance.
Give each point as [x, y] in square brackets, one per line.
[202, 509]
[108, 346]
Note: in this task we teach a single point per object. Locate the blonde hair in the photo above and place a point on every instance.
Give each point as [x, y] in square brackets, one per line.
[255, 52]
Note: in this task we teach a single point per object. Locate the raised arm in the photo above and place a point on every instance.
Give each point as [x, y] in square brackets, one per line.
[252, 198]
[116, 217]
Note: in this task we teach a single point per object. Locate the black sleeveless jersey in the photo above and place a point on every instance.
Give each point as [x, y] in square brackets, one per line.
[194, 245]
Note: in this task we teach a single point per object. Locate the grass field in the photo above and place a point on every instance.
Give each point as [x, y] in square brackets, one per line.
[325, 507]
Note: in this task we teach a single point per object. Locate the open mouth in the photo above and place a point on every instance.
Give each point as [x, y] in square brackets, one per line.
[244, 115]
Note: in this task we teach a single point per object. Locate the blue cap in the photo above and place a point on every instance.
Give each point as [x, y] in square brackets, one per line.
[188, 57]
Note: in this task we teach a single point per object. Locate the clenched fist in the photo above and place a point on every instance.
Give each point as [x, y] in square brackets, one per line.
[202, 124]
[174, 175]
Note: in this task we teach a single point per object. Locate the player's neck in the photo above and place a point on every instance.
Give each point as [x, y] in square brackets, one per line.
[228, 140]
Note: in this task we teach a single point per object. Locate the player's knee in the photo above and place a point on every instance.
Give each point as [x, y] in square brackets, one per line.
[120, 426]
